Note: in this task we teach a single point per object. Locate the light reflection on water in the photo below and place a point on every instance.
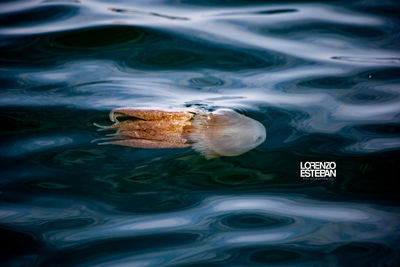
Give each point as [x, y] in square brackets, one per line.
[323, 78]
[296, 218]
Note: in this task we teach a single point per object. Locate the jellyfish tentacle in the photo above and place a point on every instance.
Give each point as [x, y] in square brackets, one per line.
[145, 128]
[152, 135]
[159, 125]
[144, 143]
[101, 128]
[149, 114]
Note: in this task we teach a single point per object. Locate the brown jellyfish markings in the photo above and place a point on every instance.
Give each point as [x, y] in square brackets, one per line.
[223, 132]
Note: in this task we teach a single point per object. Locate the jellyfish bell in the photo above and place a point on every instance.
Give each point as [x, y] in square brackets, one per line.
[223, 132]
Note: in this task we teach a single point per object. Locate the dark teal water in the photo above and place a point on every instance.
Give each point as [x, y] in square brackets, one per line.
[322, 77]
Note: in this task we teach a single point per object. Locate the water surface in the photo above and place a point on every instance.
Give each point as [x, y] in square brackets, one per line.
[323, 78]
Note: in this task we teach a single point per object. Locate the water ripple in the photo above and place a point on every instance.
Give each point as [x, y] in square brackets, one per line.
[356, 222]
[323, 78]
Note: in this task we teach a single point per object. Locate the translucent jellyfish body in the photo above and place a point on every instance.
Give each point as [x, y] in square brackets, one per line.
[223, 132]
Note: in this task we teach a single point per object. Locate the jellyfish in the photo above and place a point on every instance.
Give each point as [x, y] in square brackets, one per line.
[223, 132]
